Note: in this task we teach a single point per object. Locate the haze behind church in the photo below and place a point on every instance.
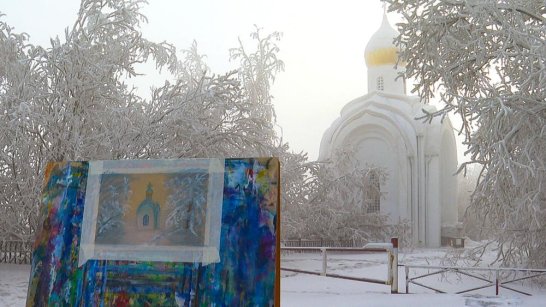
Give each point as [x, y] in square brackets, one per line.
[322, 48]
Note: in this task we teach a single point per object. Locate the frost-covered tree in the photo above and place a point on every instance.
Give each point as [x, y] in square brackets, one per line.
[340, 201]
[466, 185]
[231, 114]
[69, 101]
[113, 205]
[187, 202]
[486, 59]
[72, 101]
[257, 73]
[17, 187]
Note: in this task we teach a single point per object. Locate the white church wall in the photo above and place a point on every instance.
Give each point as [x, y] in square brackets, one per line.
[449, 180]
[374, 150]
[413, 197]
[384, 147]
[385, 78]
[391, 114]
[433, 208]
[380, 119]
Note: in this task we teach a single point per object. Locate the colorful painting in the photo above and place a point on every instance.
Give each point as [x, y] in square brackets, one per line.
[152, 209]
[163, 210]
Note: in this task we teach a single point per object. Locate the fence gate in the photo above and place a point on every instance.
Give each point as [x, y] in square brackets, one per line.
[390, 248]
[496, 280]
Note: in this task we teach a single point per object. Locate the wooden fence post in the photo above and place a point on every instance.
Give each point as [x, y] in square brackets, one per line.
[324, 261]
[394, 285]
[497, 282]
[407, 279]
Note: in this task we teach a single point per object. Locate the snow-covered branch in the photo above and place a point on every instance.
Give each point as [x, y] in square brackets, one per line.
[487, 61]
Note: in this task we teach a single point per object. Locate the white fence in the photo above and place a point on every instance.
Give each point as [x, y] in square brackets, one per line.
[18, 252]
[392, 256]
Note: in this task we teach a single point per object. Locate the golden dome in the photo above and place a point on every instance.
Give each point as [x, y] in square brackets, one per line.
[381, 49]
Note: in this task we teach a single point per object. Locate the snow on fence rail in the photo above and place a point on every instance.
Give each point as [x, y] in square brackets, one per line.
[322, 243]
[18, 252]
[497, 281]
[390, 248]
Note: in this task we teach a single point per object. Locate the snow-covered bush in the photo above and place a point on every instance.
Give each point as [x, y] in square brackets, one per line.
[340, 203]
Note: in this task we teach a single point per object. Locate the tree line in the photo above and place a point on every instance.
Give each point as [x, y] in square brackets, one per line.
[73, 100]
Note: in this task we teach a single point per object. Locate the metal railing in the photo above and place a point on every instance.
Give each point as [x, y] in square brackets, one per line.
[496, 281]
[390, 248]
[18, 252]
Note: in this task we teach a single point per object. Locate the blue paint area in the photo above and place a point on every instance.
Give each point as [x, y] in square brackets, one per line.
[54, 266]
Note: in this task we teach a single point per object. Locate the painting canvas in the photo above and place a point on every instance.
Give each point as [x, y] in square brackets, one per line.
[166, 210]
[147, 209]
[196, 232]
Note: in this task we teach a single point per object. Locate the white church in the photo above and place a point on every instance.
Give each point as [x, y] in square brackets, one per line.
[420, 157]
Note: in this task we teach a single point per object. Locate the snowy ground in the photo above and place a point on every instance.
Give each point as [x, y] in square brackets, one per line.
[13, 284]
[310, 290]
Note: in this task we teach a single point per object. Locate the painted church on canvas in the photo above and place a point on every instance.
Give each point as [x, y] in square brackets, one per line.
[420, 157]
[148, 211]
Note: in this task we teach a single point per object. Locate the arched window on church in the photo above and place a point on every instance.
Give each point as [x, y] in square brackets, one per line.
[380, 83]
[373, 193]
[145, 220]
